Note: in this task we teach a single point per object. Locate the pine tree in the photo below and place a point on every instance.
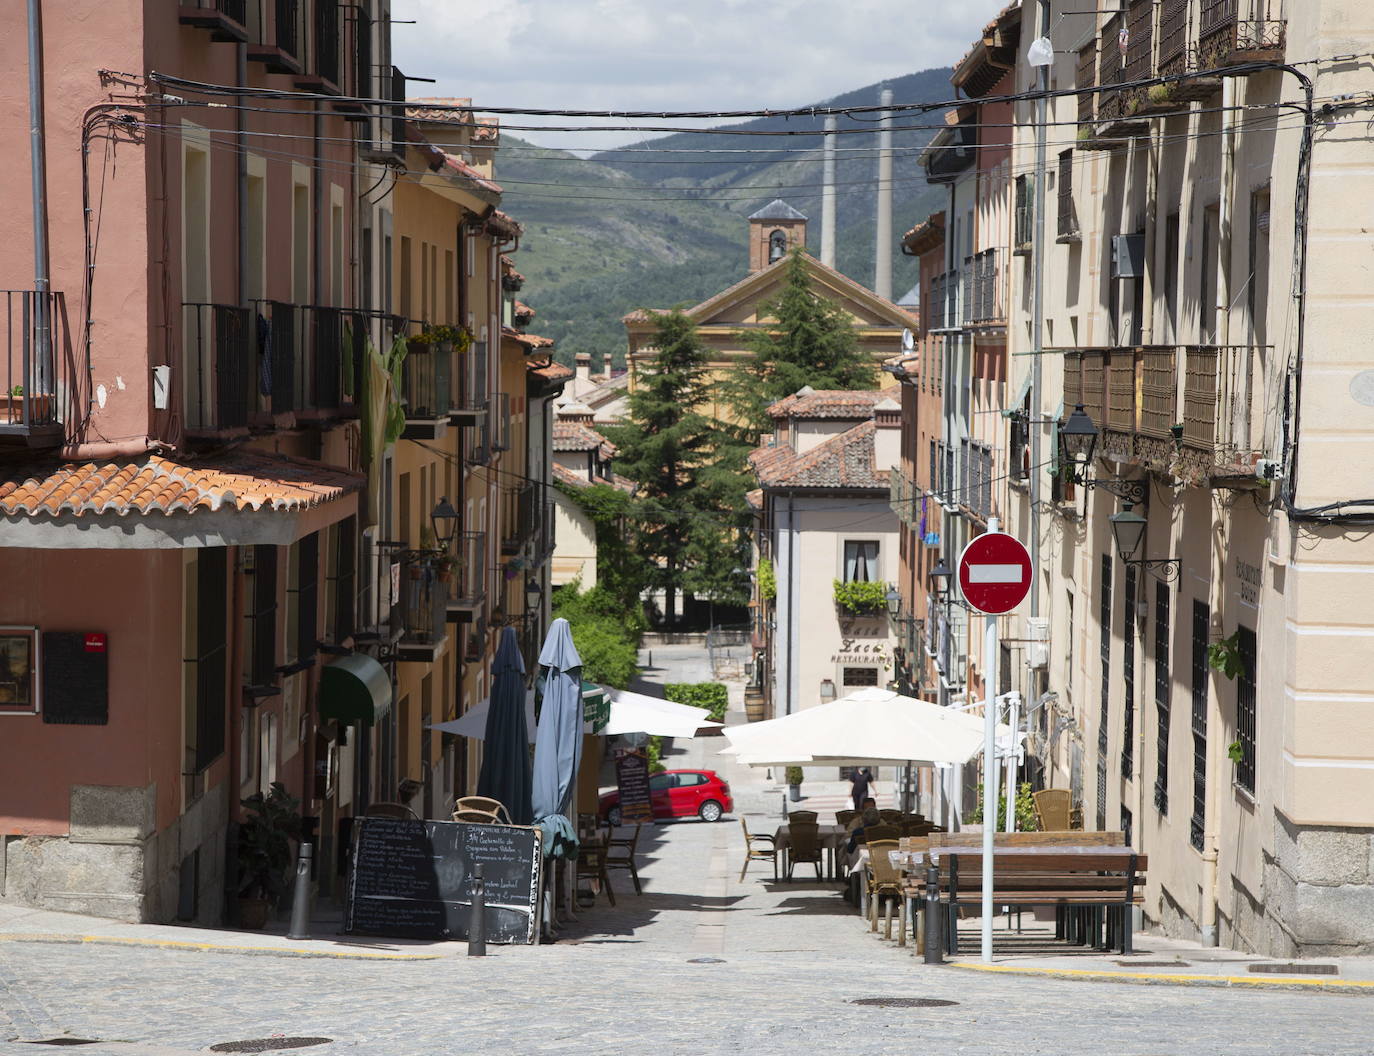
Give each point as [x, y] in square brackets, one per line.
[668, 446]
[811, 341]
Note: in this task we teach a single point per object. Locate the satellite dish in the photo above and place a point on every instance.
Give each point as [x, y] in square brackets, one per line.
[908, 341]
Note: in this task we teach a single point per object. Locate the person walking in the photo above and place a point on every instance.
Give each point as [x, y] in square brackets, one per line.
[859, 781]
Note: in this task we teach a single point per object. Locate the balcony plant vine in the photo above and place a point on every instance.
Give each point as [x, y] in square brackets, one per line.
[860, 598]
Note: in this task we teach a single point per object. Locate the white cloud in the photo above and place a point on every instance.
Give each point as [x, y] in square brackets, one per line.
[679, 55]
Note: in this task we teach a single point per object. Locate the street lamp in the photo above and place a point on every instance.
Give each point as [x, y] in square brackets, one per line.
[941, 574]
[445, 520]
[1128, 530]
[894, 603]
[1077, 445]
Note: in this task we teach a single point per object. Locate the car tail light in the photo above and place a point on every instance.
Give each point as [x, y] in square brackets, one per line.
[725, 787]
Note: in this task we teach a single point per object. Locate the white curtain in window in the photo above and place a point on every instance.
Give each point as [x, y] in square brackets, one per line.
[861, 561]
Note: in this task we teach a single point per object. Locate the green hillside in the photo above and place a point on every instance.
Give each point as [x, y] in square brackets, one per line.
[628, 229]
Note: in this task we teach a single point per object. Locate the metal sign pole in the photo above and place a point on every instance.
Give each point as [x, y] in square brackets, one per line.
[990, 658]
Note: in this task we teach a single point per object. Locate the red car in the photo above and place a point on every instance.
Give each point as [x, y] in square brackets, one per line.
[679, 794]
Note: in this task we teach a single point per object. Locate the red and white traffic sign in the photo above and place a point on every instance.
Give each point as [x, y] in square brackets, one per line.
[995, 573]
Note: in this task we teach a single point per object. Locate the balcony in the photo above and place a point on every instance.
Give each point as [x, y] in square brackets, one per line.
[468, 405]
[363, 86]
[1186, 411]
[1176, 54]
[1231, 32]
[983, 296]
[217, 368]
[322, 69]
[37, 383]
[280, 49]
[1116, 108]
[468, 586]
[425, 386]
[1067, 229]
[227, 20]
[519, 520]
[945, 314]
[420, 611]
[1086, 81]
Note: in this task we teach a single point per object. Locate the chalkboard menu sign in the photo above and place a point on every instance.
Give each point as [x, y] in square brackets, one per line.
[414, 879]
[632, 775]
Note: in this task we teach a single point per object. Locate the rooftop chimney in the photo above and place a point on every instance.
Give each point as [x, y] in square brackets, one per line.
[882, 271]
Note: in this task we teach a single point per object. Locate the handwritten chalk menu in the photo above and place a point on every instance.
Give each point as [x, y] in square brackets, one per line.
[632, 776]
[414, 879]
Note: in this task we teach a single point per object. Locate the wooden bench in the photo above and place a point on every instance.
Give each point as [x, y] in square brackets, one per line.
[1091, 891]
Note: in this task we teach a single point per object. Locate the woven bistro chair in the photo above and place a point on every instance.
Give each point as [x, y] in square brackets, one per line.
[803, 817]
[804, 846]
[890, 816]
[477, 817]
[392, 810]
[484, 803]
[881, 832]
[591, 866]
[758, 848]
[620, 854]
[844, 817]
[1052, 809]
[885, 884]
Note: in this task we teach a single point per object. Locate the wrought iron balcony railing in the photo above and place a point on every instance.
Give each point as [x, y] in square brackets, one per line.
[421, 612]
[38, 379]
[217, 366]
[227, 20]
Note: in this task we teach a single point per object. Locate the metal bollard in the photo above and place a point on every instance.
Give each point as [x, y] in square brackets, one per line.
[934, 941]
[477, 925]
[300, 901]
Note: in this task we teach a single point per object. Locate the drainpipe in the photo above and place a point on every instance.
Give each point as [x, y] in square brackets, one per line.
[38, 152]
[792, 587]
[241, 173]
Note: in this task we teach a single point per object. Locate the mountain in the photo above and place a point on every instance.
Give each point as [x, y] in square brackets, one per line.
[627, 228]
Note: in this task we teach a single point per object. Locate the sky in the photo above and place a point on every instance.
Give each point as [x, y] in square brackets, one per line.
[671, 54]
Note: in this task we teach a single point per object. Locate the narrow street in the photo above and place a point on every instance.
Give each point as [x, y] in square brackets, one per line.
[699, 963]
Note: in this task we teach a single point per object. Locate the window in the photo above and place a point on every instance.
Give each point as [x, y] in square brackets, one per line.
[341, 579]
[859, 676]
[1257, 290]
[261, 641]
[306, 598]
[1171, 277]
[267, 751]
[1162, 698]
[687, 780]
[404, 301]
[206, 659]
[1245, 709]
[661, 782]
[1068, 215]
[1127, 825]
[1104, 717]
[861, 561]
[1068, 641]
[1198, 822]
[1128, 673]
[18, 670]
[1207, 275]
[1025, 213]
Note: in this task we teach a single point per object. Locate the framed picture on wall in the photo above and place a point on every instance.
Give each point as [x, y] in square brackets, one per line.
[19, 678]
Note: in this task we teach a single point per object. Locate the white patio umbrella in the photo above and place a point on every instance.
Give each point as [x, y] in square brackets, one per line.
[870, 726]
[473, 722]
[637, 713]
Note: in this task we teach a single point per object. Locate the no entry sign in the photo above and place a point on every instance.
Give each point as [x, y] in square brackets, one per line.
[995, 573]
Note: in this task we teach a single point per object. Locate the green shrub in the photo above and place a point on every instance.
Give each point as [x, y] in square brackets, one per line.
[652, 752]
[861, 599]
[1025, 809]
[768, 580]
[713, 696]
[795, 775]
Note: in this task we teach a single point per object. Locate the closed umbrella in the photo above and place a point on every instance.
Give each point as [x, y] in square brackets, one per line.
[506, 772]
[558, 744]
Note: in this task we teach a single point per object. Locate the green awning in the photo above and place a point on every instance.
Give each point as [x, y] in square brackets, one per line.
[354, 688]
[596, 706]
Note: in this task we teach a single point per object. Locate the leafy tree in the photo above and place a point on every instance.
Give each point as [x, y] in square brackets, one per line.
[606, 641]
[811, 341]
[685, 507]
[621, 570]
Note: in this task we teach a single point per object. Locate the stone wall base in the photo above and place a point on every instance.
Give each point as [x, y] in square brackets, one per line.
[113, 864]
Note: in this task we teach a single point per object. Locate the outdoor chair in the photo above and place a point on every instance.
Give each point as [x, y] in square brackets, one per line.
[881, 832]
[760, 848]
[913, 819]
[392, 810]
[477, 817]
[844, 817]
[626, 860]
[1052, 809]
[885, 884]
[803, 817]
[804, 846]
[890, 816]
[592, 859]
[483, 803]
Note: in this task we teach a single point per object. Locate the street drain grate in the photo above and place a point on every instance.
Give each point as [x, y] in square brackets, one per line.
[1294, 969]
[268, 1044]
[903, 1002]
[707, 960]
[66, 1041]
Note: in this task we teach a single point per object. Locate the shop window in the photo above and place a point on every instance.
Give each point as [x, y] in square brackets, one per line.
[859, 676]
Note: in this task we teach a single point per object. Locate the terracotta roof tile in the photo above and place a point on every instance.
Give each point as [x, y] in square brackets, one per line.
[552, 371]
[844, 461]
[577, 436]
[443, 109]
[156, 484]
[563, 475]
[827, 403]
[530, 341]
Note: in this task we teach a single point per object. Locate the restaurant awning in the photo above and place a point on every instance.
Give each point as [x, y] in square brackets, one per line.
[354, 688]
[473, 722]
[637, 713]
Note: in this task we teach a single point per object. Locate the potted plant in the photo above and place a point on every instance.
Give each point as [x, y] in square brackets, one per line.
[272, 822]
[794, 781]
[860, 598]
[447, 565]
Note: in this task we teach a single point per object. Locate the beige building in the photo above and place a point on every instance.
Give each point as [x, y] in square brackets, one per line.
[1202, 235]
[826, 525]
[582, 458]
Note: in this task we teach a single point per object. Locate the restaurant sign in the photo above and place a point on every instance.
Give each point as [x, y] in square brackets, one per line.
[854, 651]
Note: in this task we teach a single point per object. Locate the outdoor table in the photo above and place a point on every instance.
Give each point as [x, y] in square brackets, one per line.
[832, 836]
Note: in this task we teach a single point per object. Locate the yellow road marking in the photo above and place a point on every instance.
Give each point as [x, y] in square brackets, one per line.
[1165, 977]
[173, 944]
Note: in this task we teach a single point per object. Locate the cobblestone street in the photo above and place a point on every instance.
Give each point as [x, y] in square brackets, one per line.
[700, 963]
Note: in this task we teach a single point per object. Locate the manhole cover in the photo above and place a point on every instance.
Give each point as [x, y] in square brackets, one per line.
[707, 960]
[903, 1002]
[66, 1041]
[1153, 964]
[268, 1044]
[1294, 969]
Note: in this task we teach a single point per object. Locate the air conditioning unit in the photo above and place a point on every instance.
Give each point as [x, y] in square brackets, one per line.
[1037, 642]
[1128, 256]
